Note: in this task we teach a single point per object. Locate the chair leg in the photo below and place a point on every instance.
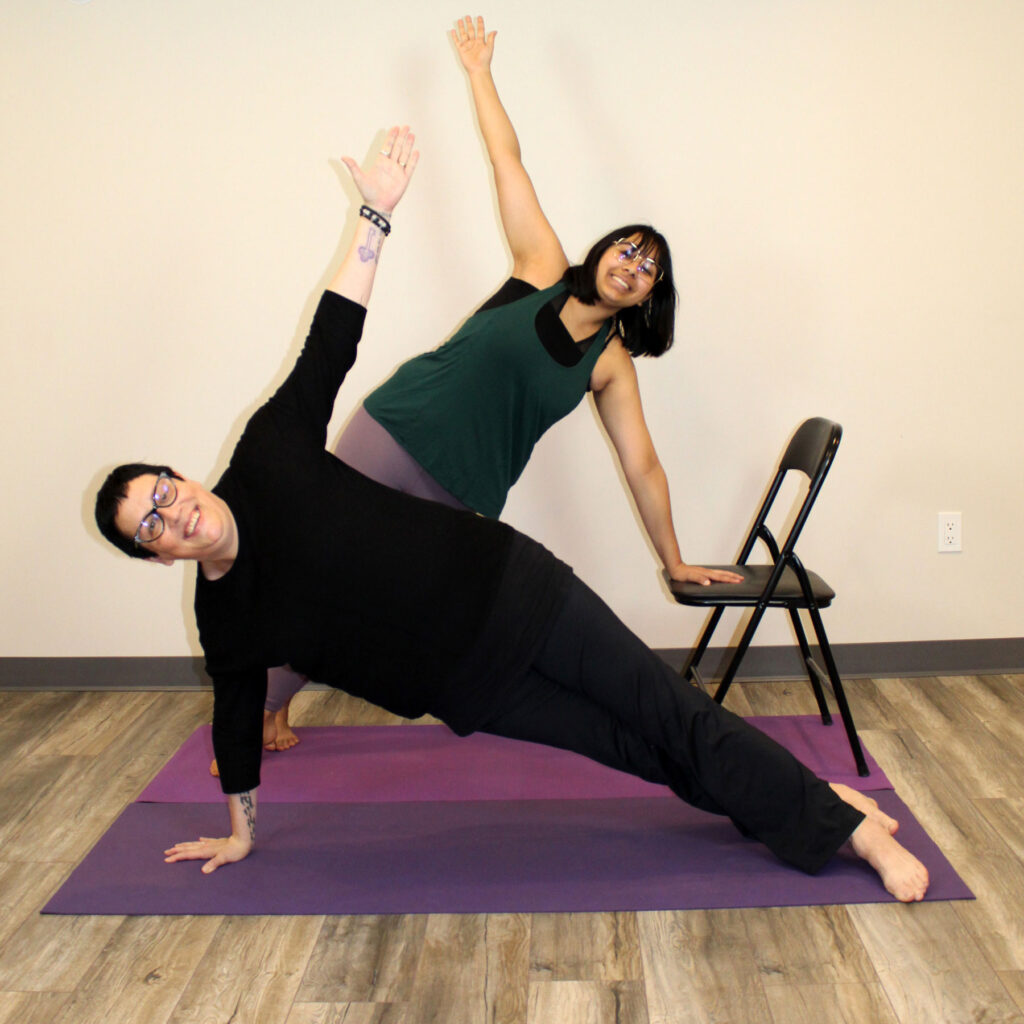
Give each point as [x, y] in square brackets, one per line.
[741, 649]
[690, 670]
[805, 651]
[840, 693]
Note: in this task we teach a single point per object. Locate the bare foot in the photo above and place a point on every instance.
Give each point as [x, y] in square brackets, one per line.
[286, 737]
[902, 874]
[269, 731]
[277, 733]
[868, 807]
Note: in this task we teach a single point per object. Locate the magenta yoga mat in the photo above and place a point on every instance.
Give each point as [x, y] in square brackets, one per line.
[426, 762]
[481, 856]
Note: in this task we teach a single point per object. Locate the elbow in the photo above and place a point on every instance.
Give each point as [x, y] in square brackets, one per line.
[506, 158]
[643, 470]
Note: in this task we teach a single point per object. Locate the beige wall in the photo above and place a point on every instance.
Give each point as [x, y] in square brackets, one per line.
[841, 183]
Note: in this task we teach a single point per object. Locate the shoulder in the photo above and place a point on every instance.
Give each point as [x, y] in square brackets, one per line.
[511, 291]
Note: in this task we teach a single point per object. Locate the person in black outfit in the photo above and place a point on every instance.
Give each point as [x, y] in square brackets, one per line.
[421, 608]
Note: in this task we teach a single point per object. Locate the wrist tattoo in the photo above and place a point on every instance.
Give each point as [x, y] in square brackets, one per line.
[245, 799]
[371, 247]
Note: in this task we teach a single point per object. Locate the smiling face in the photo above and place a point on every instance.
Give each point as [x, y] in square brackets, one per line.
[625, 275]
[196, 525]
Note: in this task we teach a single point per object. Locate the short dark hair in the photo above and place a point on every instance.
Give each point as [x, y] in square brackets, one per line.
[109, 498]
[647, 329]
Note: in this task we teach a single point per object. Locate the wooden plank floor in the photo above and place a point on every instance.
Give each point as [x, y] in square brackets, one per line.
[69, 762]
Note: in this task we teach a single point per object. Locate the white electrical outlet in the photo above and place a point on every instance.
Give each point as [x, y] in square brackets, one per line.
[950, 532]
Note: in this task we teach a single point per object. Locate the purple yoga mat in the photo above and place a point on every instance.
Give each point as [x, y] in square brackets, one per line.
[490, 856]
[344, 764]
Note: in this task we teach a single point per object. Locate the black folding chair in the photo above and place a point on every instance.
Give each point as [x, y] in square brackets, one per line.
[785, 583]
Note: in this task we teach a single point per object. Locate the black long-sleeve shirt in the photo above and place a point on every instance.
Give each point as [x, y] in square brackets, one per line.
[410, 604]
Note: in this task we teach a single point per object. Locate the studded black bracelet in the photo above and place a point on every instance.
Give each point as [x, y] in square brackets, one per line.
[376, 219]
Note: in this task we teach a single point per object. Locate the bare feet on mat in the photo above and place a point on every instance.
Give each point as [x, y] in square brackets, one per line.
[868, 807]
[277, 733]
[902, 874]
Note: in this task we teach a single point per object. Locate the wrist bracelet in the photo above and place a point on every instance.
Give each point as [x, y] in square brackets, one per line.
[378, 220]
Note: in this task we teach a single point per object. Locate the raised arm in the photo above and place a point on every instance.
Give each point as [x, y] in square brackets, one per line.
[537, 254]
[617, 396]
[308, 394]
[381, 187]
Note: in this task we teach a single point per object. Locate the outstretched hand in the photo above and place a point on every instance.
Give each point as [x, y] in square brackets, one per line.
[214, 851]
[475, 47]
[385, 182]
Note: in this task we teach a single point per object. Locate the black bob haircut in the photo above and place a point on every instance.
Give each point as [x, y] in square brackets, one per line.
[647, 329]
[109, 498]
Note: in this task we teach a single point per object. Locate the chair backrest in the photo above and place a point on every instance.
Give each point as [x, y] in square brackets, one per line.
[813, 447]
[811, 451]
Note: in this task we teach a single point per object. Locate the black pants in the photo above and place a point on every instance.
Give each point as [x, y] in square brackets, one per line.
[597, 689]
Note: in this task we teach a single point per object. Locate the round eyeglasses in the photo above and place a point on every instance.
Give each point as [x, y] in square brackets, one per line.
[645, 267]
[165, 493]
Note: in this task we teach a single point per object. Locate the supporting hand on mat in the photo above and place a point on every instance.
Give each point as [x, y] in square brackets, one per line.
[215, 852]
[227, 850]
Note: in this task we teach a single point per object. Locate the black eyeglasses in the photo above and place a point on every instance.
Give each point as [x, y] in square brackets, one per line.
[629, 252]
[165, 493]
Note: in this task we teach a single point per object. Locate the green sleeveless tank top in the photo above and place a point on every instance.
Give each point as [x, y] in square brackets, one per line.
[471, 411]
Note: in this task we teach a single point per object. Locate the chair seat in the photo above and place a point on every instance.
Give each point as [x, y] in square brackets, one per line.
[788, 593]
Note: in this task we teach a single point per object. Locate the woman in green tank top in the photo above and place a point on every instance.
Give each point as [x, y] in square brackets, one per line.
[458, 424]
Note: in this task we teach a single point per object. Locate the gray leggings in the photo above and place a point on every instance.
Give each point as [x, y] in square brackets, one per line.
[367, 447]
